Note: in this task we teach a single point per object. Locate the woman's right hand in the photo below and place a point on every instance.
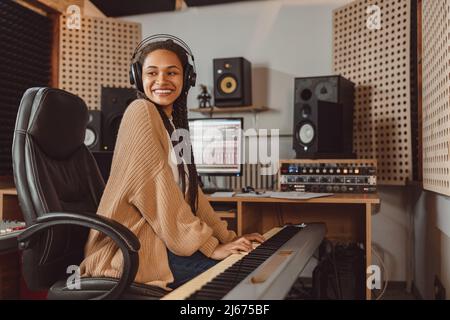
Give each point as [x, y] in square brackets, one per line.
[224, 250]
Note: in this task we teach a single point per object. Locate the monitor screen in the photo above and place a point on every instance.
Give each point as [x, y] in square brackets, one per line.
[217, 145]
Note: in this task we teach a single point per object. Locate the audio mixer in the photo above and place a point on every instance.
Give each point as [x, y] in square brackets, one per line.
[336, 176]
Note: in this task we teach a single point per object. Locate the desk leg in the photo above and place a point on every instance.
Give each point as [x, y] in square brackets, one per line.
[368, 246]
[239, 218]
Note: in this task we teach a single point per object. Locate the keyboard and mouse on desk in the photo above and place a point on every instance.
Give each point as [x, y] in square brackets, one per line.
[293, 195]
[215, 190]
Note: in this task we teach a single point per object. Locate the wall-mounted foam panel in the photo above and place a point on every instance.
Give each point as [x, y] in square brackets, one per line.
[378, 61]
[25, 61]
[98, 54]
[435, 95]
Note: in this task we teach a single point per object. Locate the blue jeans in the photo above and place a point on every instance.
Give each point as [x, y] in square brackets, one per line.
[186, 268]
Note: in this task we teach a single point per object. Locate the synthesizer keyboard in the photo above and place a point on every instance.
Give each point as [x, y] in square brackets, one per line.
[267, 272]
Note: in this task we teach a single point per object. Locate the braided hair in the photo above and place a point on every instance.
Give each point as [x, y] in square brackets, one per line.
[179, 117]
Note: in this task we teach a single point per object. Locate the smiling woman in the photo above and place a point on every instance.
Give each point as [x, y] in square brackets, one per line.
[155, 197]
[164, 77]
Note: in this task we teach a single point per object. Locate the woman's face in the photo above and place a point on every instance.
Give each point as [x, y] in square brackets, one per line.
[162, 77]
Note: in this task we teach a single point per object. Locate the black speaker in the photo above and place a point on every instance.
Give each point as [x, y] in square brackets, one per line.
[114, 102]
[323, 117]
[232, 82]
[92, 138]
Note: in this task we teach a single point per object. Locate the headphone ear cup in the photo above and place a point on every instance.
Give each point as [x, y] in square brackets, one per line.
[193, 78]
[189, 77]
[136, 77]
[131, 75]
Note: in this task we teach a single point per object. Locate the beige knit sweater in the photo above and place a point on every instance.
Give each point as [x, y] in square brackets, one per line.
[142, 194]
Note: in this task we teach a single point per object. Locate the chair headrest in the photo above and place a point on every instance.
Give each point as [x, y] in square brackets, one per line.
[58, 122]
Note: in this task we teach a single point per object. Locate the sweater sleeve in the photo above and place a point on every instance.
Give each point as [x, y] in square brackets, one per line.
[153, 190]
[207, 214]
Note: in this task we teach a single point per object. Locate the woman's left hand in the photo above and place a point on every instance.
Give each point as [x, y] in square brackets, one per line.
[252, 237]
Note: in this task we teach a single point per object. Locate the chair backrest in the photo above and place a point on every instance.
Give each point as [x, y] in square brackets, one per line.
[53, 172]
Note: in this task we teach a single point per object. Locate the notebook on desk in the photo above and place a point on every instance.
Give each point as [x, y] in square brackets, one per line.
[222, 194]
[294, 195]
[262, 194]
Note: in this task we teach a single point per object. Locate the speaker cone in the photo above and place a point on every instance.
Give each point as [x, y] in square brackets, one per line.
[306, 133]
[90, 137]
[306, 94]
[227, 84]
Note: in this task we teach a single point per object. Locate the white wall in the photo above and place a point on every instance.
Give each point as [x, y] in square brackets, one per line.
[283, 40]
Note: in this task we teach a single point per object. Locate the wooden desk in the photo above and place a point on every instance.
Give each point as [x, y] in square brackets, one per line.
[348, 217]
[9, 204]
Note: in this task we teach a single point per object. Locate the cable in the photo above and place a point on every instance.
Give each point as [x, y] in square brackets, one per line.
[386, 281]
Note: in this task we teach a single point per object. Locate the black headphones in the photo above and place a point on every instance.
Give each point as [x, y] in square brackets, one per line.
[190, 74]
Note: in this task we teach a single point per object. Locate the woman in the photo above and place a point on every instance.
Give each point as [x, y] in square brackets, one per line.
[155, 194]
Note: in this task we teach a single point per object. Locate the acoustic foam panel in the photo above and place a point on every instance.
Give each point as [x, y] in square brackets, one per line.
[25, 61]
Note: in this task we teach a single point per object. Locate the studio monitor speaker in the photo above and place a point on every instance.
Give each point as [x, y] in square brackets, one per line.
[92, 138]
[114, 102]
[232, 82]
[323, 117]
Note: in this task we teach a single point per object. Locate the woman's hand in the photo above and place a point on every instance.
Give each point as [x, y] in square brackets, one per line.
[252, 237]
[224, 250]
[243, 243]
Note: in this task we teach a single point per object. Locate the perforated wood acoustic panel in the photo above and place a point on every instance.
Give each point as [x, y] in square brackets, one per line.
[435, 95]
[96, 55]
[378, 62]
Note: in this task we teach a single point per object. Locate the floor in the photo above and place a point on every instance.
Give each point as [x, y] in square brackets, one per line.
[302, 290]
[395, 292]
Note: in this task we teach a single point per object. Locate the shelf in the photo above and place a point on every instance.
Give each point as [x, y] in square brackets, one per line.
[226, 214]
[230, 109]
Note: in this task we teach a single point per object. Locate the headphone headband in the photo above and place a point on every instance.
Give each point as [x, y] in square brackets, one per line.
[163, 36]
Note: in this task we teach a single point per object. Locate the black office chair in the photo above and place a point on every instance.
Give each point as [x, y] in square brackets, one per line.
[59, 188]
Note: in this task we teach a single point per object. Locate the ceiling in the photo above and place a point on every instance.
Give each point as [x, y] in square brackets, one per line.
[118, 8]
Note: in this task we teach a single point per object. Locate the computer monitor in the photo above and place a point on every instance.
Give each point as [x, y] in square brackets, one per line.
[217, 145]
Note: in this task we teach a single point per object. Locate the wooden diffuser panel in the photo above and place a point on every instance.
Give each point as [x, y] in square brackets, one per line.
[435, 95]
[96, 55]
[252, 176]
[378, 62]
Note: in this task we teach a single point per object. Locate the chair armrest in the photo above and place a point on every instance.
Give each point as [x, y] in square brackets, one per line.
[127, 242]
